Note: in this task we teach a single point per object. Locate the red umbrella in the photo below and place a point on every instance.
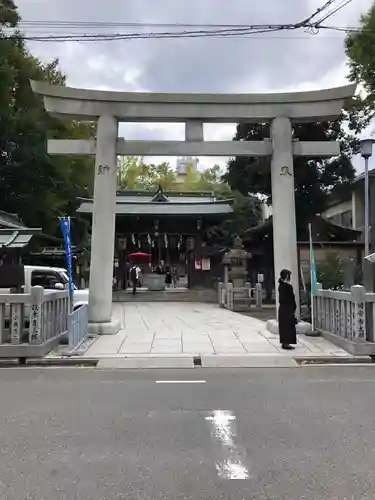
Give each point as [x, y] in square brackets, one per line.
[140, 254]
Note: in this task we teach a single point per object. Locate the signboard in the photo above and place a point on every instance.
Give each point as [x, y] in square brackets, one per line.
[260, 278]
[122, 243]
[206, 264]
[190, 242]
[198, 265]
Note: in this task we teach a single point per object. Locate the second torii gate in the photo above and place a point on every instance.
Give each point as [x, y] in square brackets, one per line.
[108, 108]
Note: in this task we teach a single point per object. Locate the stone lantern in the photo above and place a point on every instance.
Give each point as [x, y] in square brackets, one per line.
[235, 273]
[237, 263]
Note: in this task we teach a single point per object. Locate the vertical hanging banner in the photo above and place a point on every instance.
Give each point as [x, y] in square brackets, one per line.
[313, 275]
[313, 278]
[65, 228]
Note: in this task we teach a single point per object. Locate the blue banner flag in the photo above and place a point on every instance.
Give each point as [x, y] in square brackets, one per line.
[313, 276]
[65, 228]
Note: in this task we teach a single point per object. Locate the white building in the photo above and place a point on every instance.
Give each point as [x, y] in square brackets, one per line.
[182, 164]
[350, 211]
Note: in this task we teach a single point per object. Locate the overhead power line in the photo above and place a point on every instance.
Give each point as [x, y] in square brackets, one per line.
[233, 32]
[33, 30]
[310, 20]
[342, 4]
[105, 24]
[251, 32]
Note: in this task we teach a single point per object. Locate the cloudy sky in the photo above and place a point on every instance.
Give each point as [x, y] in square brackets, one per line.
[261, 63]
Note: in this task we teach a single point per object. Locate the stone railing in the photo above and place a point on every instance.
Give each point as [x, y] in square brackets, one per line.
[347, 318]
[32, 324]
[239, 299]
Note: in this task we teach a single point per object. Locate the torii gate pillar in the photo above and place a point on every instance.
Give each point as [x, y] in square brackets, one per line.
[285, 254]
[103, 229]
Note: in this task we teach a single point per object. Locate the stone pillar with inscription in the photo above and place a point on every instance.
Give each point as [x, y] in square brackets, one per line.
[283, 203]
[103, 229]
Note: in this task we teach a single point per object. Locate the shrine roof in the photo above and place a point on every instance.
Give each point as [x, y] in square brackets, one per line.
[127, 196]
[17, 238]
[323, 230]
[129, 202]
[8, 220]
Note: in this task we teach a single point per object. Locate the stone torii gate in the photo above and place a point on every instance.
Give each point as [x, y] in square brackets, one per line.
[108, 108]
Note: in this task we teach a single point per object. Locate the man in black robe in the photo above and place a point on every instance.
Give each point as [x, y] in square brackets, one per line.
[287, 311]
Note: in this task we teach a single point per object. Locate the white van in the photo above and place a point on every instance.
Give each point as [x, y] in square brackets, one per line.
[51, 278]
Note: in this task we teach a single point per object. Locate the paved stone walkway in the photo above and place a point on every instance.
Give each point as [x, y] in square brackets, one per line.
[169, 329]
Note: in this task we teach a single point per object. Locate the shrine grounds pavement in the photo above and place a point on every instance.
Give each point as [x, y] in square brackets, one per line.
[173, 334]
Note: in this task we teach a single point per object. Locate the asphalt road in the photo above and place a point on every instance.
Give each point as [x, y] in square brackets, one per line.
[303, 433]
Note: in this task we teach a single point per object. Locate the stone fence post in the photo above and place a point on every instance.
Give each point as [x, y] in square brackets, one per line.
[248, 292]
[220, 294]
[317, 310]
[358, 312]
[36, 315]
[229, 296]
[258, 295]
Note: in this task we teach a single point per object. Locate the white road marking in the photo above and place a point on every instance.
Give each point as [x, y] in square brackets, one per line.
[180, 381]
[224, 430]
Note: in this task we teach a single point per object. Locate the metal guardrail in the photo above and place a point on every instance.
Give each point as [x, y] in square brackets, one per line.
[77, 328]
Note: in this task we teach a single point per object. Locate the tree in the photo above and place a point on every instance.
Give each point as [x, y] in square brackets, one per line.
[133, 173]
[315, 178]
[331, 272]
[360, 49]
[37, 187]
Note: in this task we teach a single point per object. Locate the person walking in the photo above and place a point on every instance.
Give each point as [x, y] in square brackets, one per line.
[168, 277]
[125, 275]
[175, 276]
[287, 311]
[133, 274]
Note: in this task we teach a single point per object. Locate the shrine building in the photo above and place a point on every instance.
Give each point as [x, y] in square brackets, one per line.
[172, 227]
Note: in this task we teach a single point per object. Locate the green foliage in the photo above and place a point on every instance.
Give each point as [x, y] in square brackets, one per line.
[331, 272]
[246, 214]
[315, 178]
[37, 187]
[360, 49]
[133, 173]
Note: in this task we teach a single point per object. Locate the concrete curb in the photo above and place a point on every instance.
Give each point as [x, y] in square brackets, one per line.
[248, 362]
[184, 362]
[145, 363]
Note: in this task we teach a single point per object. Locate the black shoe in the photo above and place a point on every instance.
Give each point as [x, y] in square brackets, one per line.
[287, 347]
